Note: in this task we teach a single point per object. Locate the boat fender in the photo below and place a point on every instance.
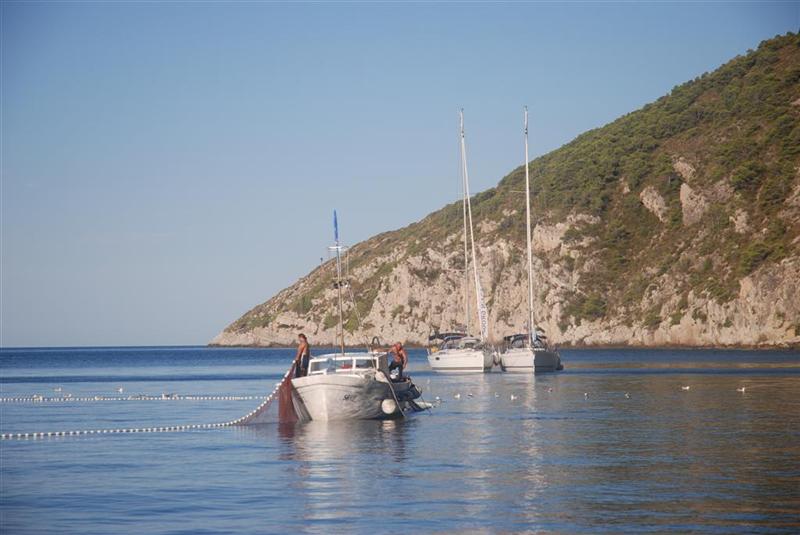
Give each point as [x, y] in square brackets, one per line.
[388, 406]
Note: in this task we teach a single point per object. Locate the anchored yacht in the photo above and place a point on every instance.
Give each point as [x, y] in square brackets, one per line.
[529, 351]
[461, 352]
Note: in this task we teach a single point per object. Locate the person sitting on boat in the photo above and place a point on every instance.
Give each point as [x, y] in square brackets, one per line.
[302, 357]
[399, 360]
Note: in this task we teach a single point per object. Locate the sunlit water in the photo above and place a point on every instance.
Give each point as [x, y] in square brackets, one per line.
[570, 454]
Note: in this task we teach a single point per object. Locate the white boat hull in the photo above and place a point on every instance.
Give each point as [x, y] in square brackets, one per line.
[525, 360]
[334, 396]
[462, 360]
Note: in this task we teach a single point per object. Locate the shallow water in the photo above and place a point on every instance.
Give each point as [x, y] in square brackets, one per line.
[570, 454]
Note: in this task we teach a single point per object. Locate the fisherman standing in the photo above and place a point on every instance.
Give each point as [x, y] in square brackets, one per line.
[399, 360]
[302, 357]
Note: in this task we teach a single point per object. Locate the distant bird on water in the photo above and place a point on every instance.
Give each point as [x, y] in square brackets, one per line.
[627, 396]
[57, 389]
[586, 395]
[120, 390]
[686, 387]
[742, 389]
[457, 396]
[513, 397]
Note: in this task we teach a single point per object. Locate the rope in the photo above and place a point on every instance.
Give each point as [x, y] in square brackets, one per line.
[244, 420]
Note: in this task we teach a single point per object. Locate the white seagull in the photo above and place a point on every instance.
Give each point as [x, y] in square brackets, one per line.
[742, 389]
[686, 387]
[457, 396]
[513, 397]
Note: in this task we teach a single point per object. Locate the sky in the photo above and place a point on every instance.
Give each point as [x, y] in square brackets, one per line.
[168, 166]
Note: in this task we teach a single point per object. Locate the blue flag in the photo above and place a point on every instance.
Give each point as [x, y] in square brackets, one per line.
[335, 227]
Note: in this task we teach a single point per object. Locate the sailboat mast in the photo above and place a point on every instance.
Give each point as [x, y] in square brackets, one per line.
[338, 278]
[531, 327]
[478, 297]
[464, 195]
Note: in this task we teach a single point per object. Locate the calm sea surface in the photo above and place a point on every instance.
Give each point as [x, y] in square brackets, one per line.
[570, 453]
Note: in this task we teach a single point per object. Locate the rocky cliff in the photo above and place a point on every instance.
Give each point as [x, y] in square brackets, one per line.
[677, 224]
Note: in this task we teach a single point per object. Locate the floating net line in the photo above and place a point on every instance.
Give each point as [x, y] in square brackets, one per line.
[283, 391]
[86, 399]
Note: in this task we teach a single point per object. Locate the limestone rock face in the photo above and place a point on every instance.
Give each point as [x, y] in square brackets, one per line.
[654, 202]
[412, 302]
[693, 205]
[685, 169]
[739, 220]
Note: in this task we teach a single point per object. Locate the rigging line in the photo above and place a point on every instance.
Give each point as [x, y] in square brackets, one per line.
[478, 296]
[462, 172]
[531, 325]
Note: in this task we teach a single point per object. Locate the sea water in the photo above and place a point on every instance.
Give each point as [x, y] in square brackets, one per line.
[614, 443]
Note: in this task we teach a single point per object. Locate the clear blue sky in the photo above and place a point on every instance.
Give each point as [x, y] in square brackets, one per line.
[165, 167]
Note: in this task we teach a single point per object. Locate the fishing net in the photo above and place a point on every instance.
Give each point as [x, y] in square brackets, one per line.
[270, 412]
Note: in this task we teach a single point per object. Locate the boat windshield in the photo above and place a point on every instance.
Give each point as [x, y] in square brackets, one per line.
[460, 342]
[341, 364]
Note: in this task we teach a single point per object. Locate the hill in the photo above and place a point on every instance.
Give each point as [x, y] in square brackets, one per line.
[677, 224]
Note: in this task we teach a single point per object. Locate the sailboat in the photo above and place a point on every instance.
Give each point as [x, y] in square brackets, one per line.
[351, 385]
[529, 351]
[459, 351]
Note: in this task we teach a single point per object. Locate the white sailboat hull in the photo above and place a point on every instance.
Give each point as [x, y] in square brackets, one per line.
[462, 360]
[328, 397]
[525, 360]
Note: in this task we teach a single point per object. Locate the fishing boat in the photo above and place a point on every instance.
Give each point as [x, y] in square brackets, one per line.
[460, 351]
[530, 351]
[351, 385]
